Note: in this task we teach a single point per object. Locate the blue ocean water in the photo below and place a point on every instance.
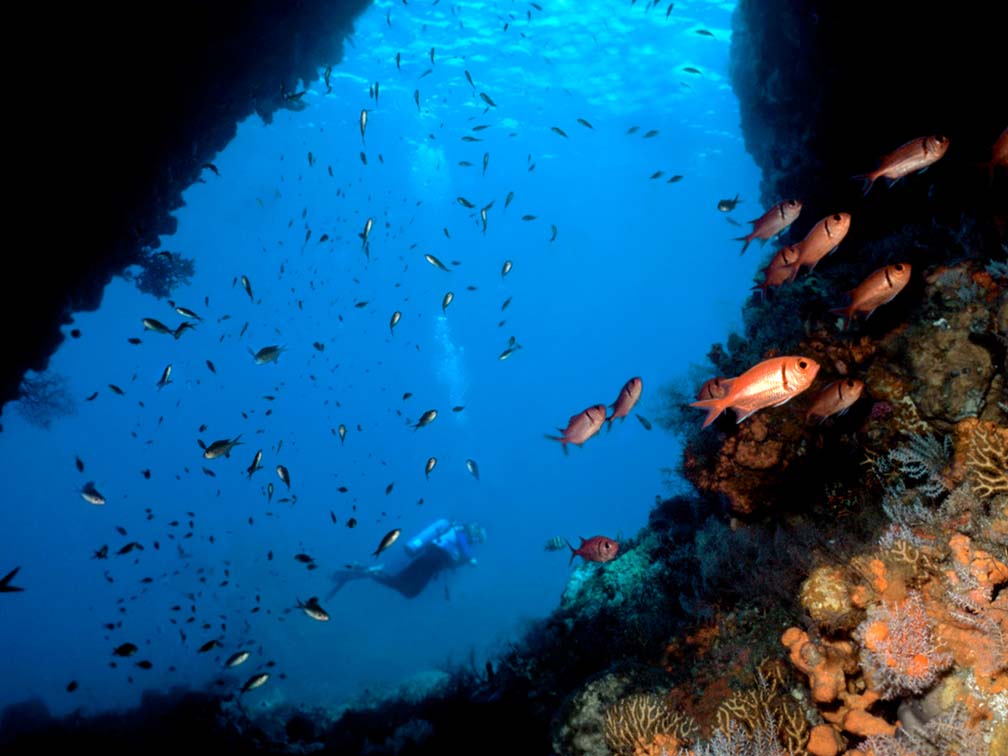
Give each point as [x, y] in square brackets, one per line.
[640, 279]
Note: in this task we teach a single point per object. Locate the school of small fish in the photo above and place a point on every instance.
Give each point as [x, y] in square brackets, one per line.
[770, 383]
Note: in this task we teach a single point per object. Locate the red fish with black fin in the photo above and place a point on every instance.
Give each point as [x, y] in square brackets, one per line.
[779, 272]
[835, 399]
[878, 289]
[914, 156]
[770, 383]
[581, 426]
[822, 240]
[772, 222]
[626, 400]
[595, 549]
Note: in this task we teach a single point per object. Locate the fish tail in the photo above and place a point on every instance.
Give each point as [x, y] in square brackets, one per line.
[573, 552]
[867, 181]
[714, 408]
[747, 239]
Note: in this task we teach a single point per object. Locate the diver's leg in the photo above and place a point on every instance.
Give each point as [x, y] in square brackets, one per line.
[413, 578]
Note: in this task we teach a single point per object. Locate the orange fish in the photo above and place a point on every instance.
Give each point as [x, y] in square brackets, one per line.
[780, 270]
[581, 426]
[626, 400]
[823, 239]
[714, 388]
[835, 399]
[595, 549]
[772, 222]
[915, 155]
[880, 287]
[771, 383]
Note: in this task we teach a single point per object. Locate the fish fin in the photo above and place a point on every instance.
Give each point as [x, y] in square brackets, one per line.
[867, 181]
[726, 384]
[5, 586]
[573, 552]
[747, 239]
[740, 416]
[714, 408]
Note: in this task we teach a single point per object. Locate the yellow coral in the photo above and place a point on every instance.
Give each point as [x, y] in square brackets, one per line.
[987, 459]
[637, 719]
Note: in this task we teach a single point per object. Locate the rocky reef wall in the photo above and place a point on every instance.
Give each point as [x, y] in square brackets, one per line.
[115, 111]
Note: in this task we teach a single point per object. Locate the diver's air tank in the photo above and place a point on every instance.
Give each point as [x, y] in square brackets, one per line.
[427, 535]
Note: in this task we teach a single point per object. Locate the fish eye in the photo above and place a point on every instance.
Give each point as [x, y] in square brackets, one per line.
[850, 383]
[941, 137]
[836, 216]
[802, 364]
[899, 267]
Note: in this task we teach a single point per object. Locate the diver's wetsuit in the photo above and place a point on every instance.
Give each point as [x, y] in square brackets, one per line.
[444, 553]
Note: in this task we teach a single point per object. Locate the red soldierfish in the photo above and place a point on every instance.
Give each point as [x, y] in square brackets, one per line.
[880, 287]
[824, 237]
[772, 222]
[915, 155]
[627, 398]
[771, 383]
[835, 399]
[581, 426]
[778, 272]
[595, 549]
[714, 388]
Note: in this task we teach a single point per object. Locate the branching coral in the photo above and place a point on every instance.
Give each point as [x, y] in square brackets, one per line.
[987, 460]
[635, 720]
[163, 272]
[45, 397]
[899, 652]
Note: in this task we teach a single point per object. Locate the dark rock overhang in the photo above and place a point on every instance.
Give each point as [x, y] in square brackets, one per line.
[116, 108]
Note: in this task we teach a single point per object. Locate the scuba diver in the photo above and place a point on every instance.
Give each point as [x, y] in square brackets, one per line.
[440, 547]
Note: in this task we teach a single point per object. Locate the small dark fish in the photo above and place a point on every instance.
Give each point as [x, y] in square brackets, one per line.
[79, 463]
[210, 367]
[416, 98]
[558, 130]
[425, 419]
[125, 650]
[507, 201]
[632, 130]
[650, 134]
[674, 179]
[643, 421]
[690, 69]
[657, 174]
[727, 205]
[284, 475]
[486, 98]
[705, 33]
[210, 645]
[458, 408]
[116, 389]
[134, 340]
[351, 523]
[144, 664]
[398, 61]
[388, 488]
[71, 686]
[468, 138]
[92, 397]
[256, 681]
[387, 540]
[472, 467]
[470, 80]
[529, 217]
[585, 123]
[465, 203]
[436, 263]
[668, 12]
[211, 167]
[304, 558]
